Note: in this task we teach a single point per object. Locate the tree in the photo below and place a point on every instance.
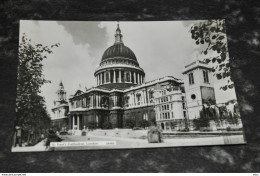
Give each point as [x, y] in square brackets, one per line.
[173, 124]
[107, 125]
[92, 125]
[212, 33]
[31, 113]
[203, 120]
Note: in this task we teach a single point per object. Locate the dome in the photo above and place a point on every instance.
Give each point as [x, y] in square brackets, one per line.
[118, 50]
[119, 68]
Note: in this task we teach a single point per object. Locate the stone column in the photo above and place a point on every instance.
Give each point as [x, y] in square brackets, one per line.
[105, 77]
[134, 78]
[138, 78]
[130, 99]
[119, 79]
[92, 101]
[109, 76]
[114, 76]
[78, 121]
[96, 101]
[145, 96]
[130, 76]
[125, 76]
[73, 122]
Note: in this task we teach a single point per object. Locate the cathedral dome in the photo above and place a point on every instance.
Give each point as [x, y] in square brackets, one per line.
[119, 68]
[119, 50]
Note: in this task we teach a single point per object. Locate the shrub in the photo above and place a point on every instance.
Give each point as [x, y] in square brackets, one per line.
[129, 123]
[92, 125]
[228, 128]
[154, 135]
[107, 125]
[144, 123]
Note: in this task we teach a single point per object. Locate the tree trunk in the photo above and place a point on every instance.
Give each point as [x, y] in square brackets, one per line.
[14, 139]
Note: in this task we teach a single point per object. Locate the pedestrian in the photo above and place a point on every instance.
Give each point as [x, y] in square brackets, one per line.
[51, 137]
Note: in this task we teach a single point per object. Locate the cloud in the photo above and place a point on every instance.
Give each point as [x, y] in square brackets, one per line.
[86, 33]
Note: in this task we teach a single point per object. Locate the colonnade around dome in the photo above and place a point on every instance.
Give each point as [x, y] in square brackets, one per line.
[119, 76]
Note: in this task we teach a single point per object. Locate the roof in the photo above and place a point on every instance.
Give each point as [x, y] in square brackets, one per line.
[108, 89]
[118, 50]
[196, 64]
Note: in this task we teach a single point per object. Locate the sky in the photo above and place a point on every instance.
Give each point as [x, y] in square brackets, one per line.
[162, 49]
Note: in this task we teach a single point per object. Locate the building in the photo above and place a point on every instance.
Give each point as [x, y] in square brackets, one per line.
[122, 95]
[60, 110]
[199, 87]
[170, 107]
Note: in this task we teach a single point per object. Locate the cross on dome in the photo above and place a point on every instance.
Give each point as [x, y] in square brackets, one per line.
[118, 35]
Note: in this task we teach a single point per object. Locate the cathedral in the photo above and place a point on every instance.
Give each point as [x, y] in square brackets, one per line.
[122, 95]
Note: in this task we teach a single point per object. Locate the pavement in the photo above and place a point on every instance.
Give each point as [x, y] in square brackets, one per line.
[40, 147]
[126, 143]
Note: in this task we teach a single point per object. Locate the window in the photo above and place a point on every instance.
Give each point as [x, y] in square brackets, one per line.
[205, 76]
[107, 77]
[184, 114]
[191, 78]
[138, 96]
[127, 77]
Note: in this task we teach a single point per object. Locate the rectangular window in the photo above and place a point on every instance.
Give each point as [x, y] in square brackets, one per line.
[172, 115]
[205, 76]
[191, 78]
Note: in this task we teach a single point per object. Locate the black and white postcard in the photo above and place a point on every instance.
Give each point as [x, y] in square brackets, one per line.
[85, 85]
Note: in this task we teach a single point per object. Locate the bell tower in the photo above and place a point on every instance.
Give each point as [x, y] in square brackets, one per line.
[61, 95]
[199, 87]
